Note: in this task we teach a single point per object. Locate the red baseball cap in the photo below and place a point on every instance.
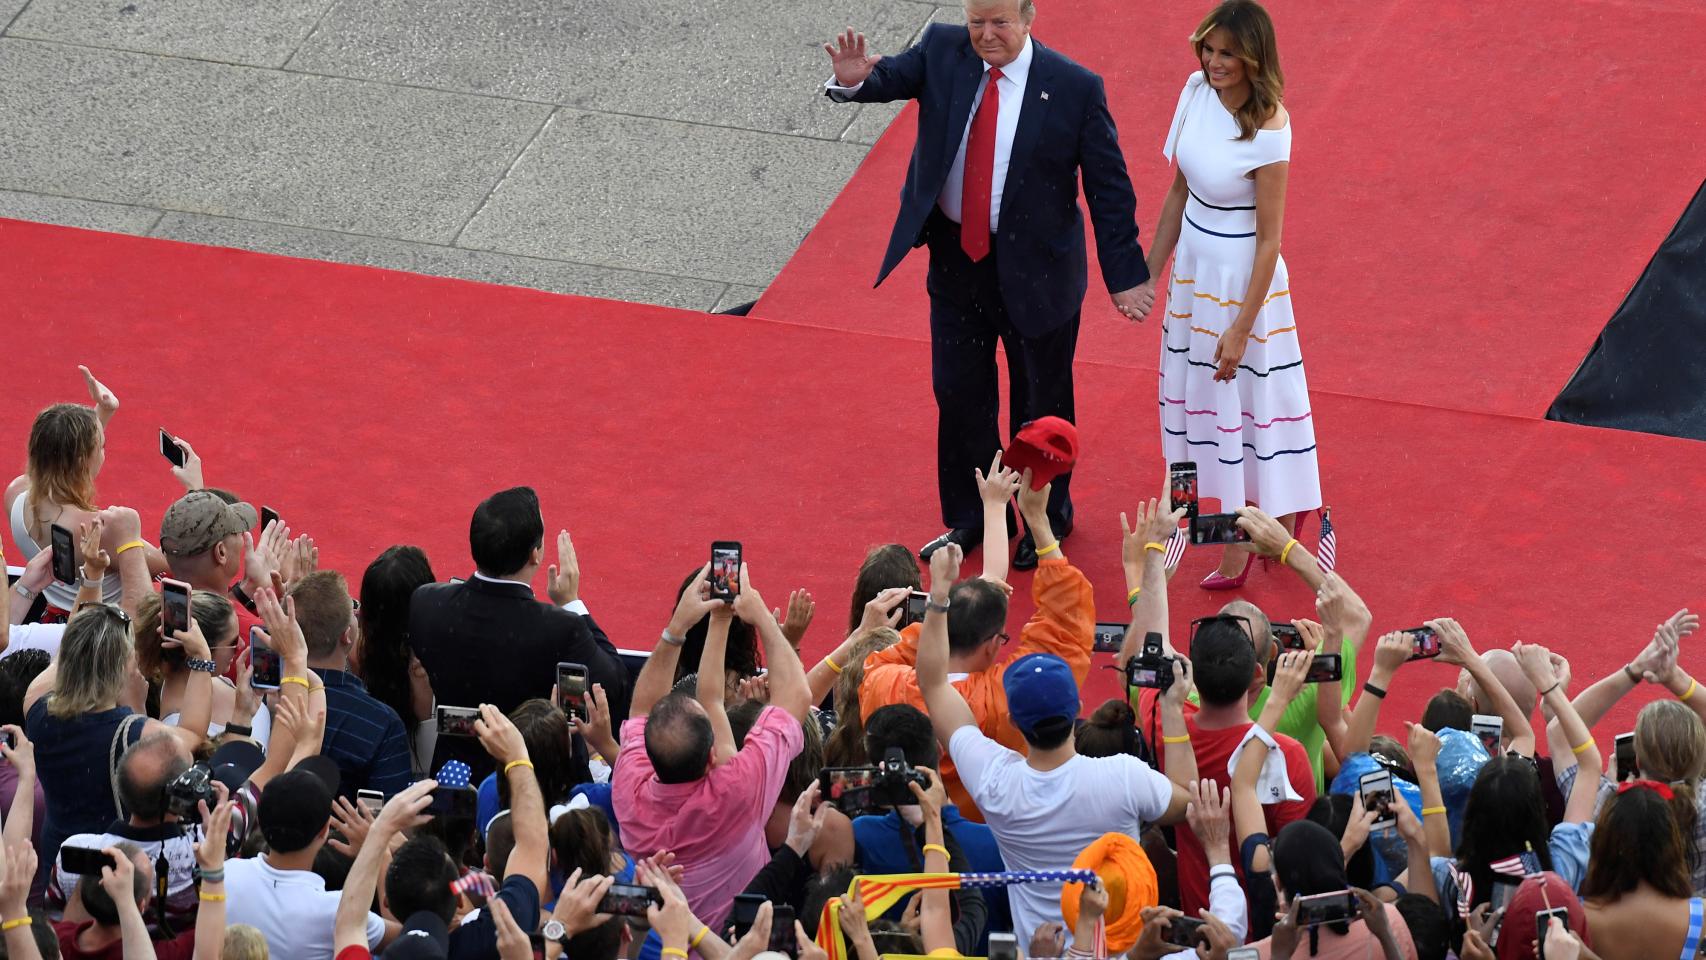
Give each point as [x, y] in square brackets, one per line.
[1048, 446]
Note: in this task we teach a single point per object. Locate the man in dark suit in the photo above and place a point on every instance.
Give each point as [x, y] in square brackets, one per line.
[1005, 128]
[489, 640]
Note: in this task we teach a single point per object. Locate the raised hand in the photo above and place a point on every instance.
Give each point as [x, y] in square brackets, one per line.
[945, 568]
[1049, 940]
[1288, 676]
[1032, 503]
[354, 822]
[1423, 745]
[999, 485]
[105, 401]
[1391, 652]
[1210, 813]
[884, 609]
[1358, 826]
[297, 559]
[190, 473]
[1154, 524]
[596, 727]
[1267, 535]
[804, 824]
[1536, 663]
[1455, 648]
[95, 560]
[498, 734]
[282, 631]
[801, 609]
[851, 61]
[1340, 608]
[1313, 634]
[695, 603]
[563, 578]
[748, 605]
[577, 906]
[191, 641]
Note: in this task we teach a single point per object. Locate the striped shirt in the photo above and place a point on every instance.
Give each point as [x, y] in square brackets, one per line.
[365, 737]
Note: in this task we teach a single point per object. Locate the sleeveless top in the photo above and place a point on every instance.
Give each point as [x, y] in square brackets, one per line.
[74, 764]
[61, 595]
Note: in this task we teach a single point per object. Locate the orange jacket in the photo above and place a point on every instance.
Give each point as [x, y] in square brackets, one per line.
[1064, 625]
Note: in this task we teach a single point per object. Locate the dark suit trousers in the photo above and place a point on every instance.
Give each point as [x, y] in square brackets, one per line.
[967, 317]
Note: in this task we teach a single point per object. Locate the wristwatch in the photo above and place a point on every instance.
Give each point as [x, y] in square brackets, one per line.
[554, 931]
[933, 605]
[23, 591]
[205, 666]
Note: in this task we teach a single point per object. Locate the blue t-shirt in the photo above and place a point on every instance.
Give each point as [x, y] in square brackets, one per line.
[888, 844]
[477, 939]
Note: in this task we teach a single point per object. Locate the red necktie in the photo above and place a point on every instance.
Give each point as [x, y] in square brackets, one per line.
[980, 173]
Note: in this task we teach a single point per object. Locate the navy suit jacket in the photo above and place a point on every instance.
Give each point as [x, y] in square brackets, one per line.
[1064, 129]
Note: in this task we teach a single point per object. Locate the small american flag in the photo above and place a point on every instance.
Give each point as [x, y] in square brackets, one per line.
[1175, 549]
[1524, 864]
[1327, 554]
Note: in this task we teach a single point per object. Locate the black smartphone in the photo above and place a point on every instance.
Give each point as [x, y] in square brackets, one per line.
[1503, 889]
[454, 803]
[372, 800]
[266, 670]
[916, 604]
[1288, 637]
[1182, 486]
[64, 554]
[1491, 730]
[174, 606]
[572, 690]
[1003, 946]
[1312, 911]
[725, 570]
[84, 860]
[745, 912]
[629, 900]
[782, 939]
[7, 738]
[268, 515]
[170, 450]
[1109, 636]
[1378, 795]
[1213, 528]
[1424, 643]
[1543, 921]
[1626, 768]
[1325, 668]
[457, 721]
[1183, 931]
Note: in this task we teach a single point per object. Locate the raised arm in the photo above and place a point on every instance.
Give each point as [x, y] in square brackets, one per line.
[123, 526]
[1246, 803]
[1143, 551]
[1272, 539]
[210, 859]
[1390, 652]
[117, 881]
[948, 710]
[1180, 754]
[1536, 664]
[1424, 758]
[879, 612]
[526, 801]
[20, 819]
[935, 913]
[866, 77]
[713, 686]
[198, 689]
[997, 489]
[19, 869]
[1329, 700]
[1652, 664]
[658, 675]
[403, 811]
[1456, 649]
[786, 675]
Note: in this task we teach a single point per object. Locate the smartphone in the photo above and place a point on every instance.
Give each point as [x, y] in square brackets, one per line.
[1325, 668]
[1182, 486]
[1213, 528]
[1626, 768]
[1312, 911]
[1377, 795]
[174, 605]
[1424, 643]
[266, 670]
[1491, 730]
[916, 603]
[1503, 889]
[725, 570]
[64, 554]
[782, 938]
[629, 900]
[572, 687]
[170, 450]
[745, 912]
[84, 860]
[1243, 953]
[457, 721]
[268, 515]
[373, 800]
[1183, 931]
[454, 803]
[1288, 637]
[1003, 946]
[1542, 921]
[1109, 637]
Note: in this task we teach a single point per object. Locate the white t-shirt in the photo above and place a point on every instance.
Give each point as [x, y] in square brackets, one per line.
[1042, 819]
[34, 636]
[292, 909]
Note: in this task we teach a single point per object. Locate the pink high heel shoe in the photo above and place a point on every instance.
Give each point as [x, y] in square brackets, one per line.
[1218, 581]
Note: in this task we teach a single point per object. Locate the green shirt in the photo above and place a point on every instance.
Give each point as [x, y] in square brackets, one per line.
[1298, 721]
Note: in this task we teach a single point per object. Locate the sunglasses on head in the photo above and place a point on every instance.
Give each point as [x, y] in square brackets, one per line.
[1200, 622]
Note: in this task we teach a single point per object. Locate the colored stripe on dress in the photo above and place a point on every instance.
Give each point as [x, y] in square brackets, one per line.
[1250, 446]
[1212, 366]
[1259, 426]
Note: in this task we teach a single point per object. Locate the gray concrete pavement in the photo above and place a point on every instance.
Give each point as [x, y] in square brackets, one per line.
[665, 151]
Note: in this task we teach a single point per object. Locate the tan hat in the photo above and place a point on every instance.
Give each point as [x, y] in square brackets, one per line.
[199, 519]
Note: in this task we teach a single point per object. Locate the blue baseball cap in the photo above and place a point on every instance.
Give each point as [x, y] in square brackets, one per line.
[1039, 686]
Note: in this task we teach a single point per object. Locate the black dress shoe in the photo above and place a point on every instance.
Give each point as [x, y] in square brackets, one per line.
[968, 540]
[1025, 554]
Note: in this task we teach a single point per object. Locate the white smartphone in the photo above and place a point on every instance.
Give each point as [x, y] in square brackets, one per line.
[1491, 730]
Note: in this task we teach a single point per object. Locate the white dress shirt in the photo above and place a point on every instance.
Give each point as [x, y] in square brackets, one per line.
[1012, 88]
[573, 606]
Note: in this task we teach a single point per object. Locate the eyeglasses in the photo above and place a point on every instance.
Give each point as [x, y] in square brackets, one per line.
[1004, 638]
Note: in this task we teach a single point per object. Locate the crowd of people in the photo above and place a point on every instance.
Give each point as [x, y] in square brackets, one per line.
[295, 773]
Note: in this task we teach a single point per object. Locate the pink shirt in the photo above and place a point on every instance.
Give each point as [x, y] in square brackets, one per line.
[713, 825]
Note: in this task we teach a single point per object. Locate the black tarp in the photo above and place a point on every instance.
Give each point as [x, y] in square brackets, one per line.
[1647, 369]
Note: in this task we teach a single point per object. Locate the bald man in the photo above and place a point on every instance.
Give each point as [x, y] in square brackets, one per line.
[1510, 676]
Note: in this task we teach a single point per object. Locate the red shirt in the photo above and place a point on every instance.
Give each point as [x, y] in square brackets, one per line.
[1213, 749]
[181, 947]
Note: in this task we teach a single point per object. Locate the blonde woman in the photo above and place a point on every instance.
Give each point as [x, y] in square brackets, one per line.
[1233, 394]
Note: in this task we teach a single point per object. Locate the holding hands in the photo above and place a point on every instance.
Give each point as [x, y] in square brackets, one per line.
[1136, 302]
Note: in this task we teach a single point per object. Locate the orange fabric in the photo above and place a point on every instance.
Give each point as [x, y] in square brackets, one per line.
[1064, 625]
[1125, 870]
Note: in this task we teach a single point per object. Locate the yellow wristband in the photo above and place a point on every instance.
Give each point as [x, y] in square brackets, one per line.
[518, 763]
[1692, 683]
[937, 847]
[1157, 547]
[302, 680]
[674, 952]
[831, 662]
[132, 545]
[213, 897]
[1045, 551]
[1578, 751]
[1182, 738]
[699, 936]
[1287, 551]
[1431, 811]
[15, 924]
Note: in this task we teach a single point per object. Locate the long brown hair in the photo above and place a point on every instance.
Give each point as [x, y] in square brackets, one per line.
[1252, 32]
[1635, 840]
[63, 439]
[1670, 745]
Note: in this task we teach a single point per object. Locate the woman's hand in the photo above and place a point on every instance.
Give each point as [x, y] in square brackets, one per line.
[21, 754]
[1423, 746]
[190, 473]
[1373, 913]
[803, 823]
[801, 609]
[1229, 352]
[191, 640]
[577, 906]
[1284, 938]
[95, 560]
[884, 609]
[998, 486]
[931, 799]
[105, 401]
[596, 727]
[1357, 827]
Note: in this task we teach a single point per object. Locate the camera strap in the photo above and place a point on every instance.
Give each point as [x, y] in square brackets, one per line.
[121, 740]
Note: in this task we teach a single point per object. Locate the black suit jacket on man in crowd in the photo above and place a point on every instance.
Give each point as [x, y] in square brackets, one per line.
[484, 642]
[1028, 292]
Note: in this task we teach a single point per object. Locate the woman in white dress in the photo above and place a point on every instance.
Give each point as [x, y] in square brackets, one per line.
[1233, 394]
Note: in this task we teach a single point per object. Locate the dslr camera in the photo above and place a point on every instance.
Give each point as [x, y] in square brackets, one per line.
[858, 789]
[188, 789]
[1151, 667]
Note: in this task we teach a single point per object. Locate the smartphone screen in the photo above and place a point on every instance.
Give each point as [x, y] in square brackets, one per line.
[174, 606]
[725, 569]
[1288, 637]
[457, 721]
[782, 937]
[1424, 643]
[1314, 910]
[266, 670]
[572, 690]
[1325, 668]
[1377, 795]
[1626, 768]
[1109, 637]
[1491, 730]
[170, 450]
[64, 554]
[1182, 486]
[1212, 528]
[916, 603]
[372, 800]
